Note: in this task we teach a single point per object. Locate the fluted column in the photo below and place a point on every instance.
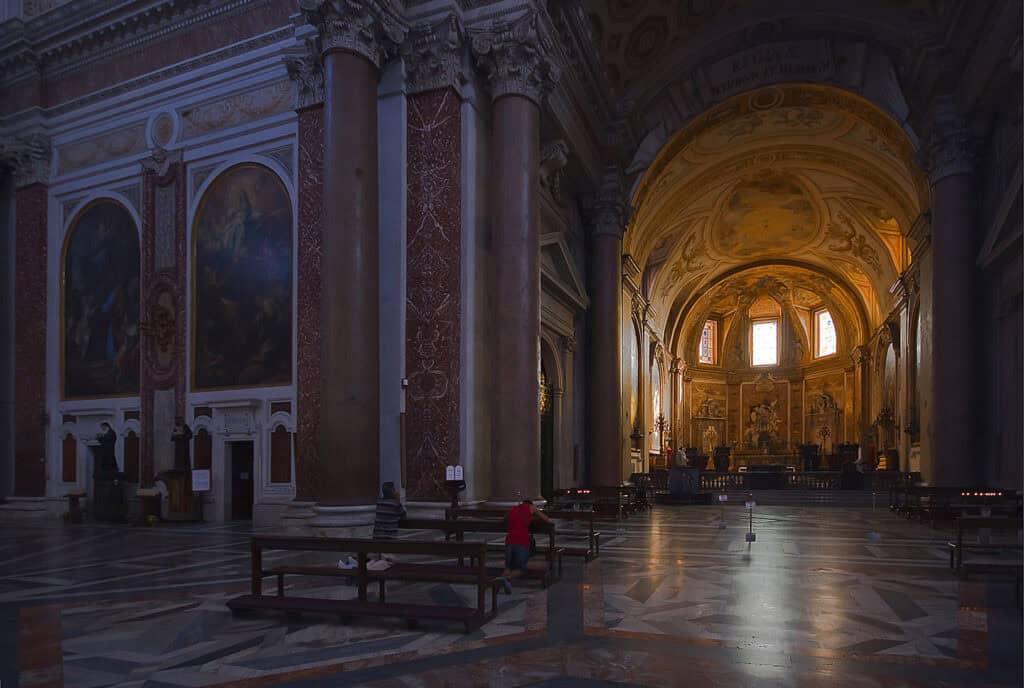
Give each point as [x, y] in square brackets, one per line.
[515, 58]
[29, 159]
[956, 397]
[606, 334]
[355, 39]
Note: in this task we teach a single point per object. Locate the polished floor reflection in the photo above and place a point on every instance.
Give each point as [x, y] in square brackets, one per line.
[824, 596]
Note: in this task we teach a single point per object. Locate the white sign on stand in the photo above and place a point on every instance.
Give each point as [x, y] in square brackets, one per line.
[449, 473]
[458, 473]
[201, 480]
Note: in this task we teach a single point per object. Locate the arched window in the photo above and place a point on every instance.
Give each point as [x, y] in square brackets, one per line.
[825, 343]
[708, 342]
[764, 342]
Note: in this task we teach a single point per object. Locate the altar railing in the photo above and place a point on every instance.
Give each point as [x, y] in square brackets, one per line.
[878, 481]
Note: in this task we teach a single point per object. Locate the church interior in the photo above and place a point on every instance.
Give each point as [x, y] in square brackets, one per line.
[731, 289]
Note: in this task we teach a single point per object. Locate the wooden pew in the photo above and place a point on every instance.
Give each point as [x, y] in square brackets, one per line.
[458, 528]
[590, 552]
[958, 547]
[470, 617]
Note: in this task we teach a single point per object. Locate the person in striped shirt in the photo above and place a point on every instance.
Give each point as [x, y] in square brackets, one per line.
[389, 512]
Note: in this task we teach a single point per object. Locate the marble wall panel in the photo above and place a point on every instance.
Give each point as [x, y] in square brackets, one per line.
[311, 166]
[29, 330]
[433, 296]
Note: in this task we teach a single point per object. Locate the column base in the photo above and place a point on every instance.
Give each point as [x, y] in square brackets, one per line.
[312, 519]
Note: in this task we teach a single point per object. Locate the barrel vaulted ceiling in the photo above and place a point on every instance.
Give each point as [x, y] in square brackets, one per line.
[791, 175]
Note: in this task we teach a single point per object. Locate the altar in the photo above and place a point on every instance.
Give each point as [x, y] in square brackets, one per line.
[747, 458]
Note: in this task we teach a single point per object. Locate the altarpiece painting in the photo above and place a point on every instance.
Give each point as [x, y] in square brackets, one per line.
[242, 277]
[100, 303]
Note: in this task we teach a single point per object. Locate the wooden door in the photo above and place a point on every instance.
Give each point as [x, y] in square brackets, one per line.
[241, 480]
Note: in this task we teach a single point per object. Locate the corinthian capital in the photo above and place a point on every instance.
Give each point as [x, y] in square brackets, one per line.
[366, 27]
[433, 54]
[517, 57]
[28, 156]
[306, 70]
[610, 209]
[948, 148]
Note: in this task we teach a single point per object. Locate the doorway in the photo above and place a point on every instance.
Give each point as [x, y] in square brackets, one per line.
[241, 479]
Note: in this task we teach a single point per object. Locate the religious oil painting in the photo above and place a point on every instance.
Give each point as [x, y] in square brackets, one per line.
[769, 214]
[242, 277]
[101, 303]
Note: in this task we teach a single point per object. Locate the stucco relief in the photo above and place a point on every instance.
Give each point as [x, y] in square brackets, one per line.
[117, 144]
[844, 238]
[239, 109]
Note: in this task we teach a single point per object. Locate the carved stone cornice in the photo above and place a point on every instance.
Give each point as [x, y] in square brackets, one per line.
[921, 234]
[610, 208]
[517, 57]
[306, 69]
[433, 54]
[554, 156]
[28, 156]
[949, 149]
[369, 28]
[161, 160]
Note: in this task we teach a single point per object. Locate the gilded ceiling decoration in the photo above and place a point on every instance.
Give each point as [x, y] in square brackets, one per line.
[784, 173]
[767, 214]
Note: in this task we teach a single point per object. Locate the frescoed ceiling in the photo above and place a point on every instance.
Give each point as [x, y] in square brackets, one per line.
[798, 174]
[635, 35]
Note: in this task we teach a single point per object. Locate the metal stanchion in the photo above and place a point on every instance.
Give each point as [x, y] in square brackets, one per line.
[751, 535]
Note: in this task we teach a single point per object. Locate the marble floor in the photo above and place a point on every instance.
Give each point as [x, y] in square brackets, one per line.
[824, 596]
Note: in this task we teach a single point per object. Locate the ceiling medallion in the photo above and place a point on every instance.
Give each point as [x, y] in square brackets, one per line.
[766, 98]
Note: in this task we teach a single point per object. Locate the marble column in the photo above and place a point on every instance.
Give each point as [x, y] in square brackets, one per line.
[956, 397]
[520, 74]
[862, 393]
[354, 39]
[306, 71]
[29, 158]
[162, 276]
[433, 245]
[606, 333]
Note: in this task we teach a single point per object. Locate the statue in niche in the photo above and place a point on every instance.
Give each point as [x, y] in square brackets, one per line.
[105, 466]
[710, 440]
[180, 436]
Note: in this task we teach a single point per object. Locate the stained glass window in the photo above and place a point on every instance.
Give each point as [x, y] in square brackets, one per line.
[826, 334]
[765, 343]
[707, 342]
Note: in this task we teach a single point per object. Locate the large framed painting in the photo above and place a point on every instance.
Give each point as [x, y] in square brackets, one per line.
[242, 281]
[100, 303]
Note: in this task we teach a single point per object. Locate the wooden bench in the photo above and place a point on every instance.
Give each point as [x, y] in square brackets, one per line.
[590, 552]
[459, 527]
[949, 503]
[957, 548]
[479, 575]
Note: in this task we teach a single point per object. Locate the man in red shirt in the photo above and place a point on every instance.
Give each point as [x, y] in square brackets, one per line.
[517, 540]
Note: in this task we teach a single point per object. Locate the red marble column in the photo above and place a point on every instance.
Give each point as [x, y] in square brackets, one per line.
[516, 430]
[308, 471]
[433, 291]
[30, 208]
[350, 308]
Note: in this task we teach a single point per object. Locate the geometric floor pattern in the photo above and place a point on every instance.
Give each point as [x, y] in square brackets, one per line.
[824, 596]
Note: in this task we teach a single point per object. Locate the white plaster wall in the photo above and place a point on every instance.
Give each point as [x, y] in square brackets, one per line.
[271, 141]
[476, 400]
[392, 154]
